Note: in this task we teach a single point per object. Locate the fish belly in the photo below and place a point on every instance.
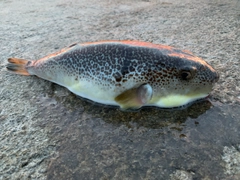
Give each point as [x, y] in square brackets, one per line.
[92, 91]
[175, 100]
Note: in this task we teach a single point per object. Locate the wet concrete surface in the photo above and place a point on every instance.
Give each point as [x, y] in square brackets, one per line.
[46, 132]
[95, 142]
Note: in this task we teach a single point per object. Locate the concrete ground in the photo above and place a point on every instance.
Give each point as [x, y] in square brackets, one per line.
[46, 132]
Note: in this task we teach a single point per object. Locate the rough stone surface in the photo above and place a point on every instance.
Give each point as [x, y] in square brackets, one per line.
[181, 175]
[232, 158]
[48, 133]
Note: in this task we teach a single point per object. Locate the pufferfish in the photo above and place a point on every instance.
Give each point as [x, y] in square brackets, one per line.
[129, 74]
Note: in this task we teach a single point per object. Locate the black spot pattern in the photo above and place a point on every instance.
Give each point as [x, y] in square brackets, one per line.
[114, 64]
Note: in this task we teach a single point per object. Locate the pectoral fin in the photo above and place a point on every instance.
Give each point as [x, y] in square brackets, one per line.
[135, 98]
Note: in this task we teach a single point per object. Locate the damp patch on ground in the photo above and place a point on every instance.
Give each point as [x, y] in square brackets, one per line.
[95, 142]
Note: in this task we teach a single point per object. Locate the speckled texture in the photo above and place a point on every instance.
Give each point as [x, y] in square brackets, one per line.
[181, 175]
[46, 132]
[113, 68]
[231, 156]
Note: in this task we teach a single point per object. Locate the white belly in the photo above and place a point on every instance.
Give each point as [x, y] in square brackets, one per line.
[106, 95]
[175, 100]
[93, 92]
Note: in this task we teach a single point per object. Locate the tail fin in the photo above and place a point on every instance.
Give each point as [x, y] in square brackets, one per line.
[17, 66]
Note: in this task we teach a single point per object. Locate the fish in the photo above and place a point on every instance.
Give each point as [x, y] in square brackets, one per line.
[125, 73]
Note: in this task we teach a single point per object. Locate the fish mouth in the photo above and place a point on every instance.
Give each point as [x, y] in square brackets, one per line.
[216, 77]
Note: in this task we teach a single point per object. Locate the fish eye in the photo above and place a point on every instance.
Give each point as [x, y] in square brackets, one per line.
[187, 73]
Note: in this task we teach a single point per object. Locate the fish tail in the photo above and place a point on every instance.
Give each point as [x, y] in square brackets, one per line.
[18, 66]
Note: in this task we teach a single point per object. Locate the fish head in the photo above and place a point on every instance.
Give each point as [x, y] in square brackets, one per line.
[184, 80]
[197, 76]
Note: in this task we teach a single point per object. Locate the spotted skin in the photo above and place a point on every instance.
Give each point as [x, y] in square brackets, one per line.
[101, 71]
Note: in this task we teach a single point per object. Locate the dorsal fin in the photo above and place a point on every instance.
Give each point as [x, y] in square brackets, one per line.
[74, 44]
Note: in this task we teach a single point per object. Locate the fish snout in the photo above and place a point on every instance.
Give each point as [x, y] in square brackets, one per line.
[211, 74]
[215, 77]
